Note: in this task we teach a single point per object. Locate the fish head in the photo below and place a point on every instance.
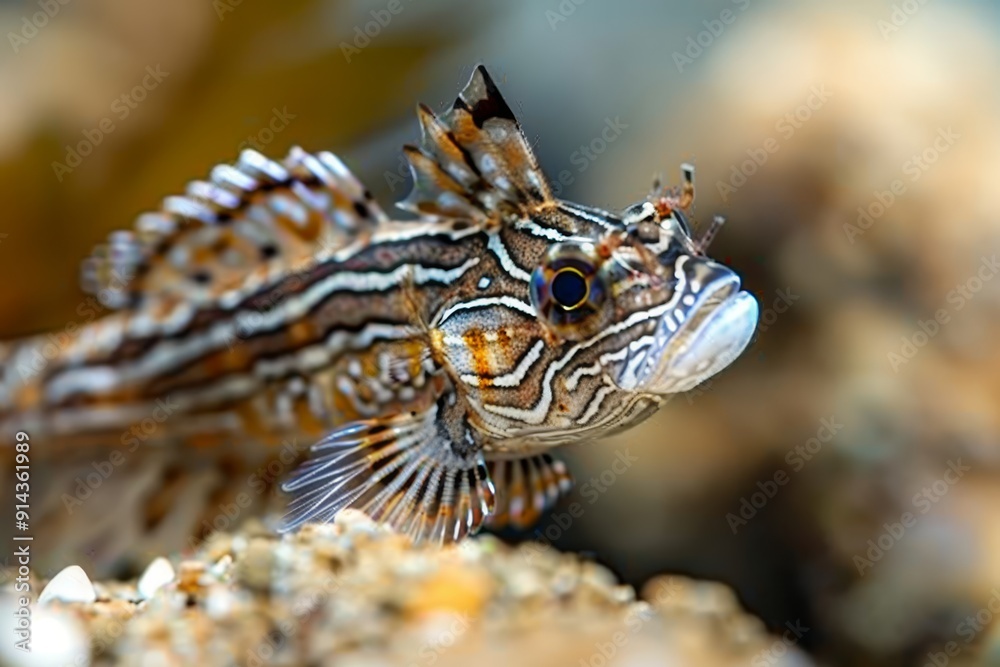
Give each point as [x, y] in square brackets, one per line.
[647, 296]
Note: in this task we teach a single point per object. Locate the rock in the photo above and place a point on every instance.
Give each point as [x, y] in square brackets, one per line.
[159, 573]
[71, 585]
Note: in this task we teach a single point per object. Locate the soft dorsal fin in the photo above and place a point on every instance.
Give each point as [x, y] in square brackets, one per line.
[246, 223]
[474, 161]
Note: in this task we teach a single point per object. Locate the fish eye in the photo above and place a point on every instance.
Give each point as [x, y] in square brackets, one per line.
[568, 290]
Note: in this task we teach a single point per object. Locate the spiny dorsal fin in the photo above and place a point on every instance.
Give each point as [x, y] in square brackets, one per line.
[474, 161]
[249, 221]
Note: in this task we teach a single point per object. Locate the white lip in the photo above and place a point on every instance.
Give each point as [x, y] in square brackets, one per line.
[719, 338]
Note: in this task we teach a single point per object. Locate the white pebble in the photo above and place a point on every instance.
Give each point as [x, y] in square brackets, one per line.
[158, 574]
[57, 638]
[71, 585]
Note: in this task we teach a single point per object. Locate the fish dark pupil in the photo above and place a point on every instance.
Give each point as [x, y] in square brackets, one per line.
[569, 288]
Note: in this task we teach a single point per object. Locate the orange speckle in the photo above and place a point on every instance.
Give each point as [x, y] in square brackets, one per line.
[475, 341]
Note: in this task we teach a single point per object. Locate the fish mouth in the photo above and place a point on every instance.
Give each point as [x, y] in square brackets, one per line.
[693, 343]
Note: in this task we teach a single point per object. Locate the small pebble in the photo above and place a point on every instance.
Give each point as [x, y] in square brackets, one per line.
[354, 593]
[158, 574]
[71, 585]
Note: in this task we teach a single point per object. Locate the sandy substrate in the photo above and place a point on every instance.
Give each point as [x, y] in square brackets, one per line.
[353, 593]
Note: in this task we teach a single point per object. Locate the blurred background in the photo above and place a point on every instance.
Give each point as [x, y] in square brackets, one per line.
[844, 474]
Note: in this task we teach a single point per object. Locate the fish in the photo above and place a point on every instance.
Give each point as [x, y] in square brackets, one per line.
[433, 362]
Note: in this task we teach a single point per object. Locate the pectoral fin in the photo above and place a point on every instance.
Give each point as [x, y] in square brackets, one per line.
[526, 488]
[404, 470]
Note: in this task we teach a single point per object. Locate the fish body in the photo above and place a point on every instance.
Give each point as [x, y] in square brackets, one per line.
[435, 362]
